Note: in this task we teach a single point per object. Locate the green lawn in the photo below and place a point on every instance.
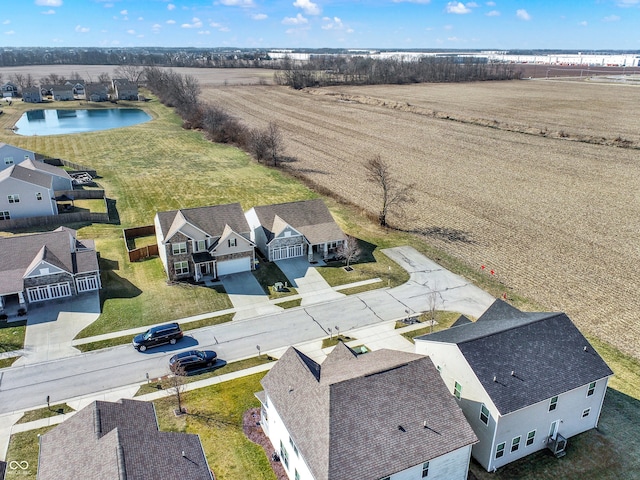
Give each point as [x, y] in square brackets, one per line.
[23, 447]
[443, 321]
[12, 335]
[45, 412]
[267, 274]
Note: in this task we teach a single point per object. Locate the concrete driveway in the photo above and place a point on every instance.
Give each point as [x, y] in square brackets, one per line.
[52, 325]
[247, 296]
[311, 287]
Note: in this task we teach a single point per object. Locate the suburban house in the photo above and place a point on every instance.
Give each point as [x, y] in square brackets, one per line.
[124, 89]
[77, 87]
[12, 155]
[119, 440]
[61, 179]
[46, 89]
[26, 193]
[9, 90]
[62, 92]
[31, 95]
[295, 229]
[525, 381]
[364, 416]
[96, 92]
[45, 266]
[204, 242]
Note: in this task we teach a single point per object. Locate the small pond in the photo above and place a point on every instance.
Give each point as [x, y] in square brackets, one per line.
[58, 122]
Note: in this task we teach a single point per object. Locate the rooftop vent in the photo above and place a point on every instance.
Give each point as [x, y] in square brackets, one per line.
[401, 428]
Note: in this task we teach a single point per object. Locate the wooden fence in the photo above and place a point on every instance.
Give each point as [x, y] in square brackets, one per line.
[130, 234]
[60, 219]
[58, 162]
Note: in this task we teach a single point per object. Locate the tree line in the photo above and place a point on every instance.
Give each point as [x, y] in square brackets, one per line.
[327, 70]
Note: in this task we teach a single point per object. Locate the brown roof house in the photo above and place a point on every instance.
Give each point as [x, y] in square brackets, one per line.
[119, 440]
[526, 381]
[194, 243]
[380, 415]
[46, 266]
[294, 229]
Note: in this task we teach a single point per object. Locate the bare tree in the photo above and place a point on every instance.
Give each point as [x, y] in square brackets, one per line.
[394, 193]
[176, 384]
[275, 143]
[258, 145]
[104, 78]
[350, 251]
[128, 72]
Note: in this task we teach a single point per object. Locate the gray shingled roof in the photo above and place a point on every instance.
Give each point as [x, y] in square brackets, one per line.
[211, 219]
[363, 416]
[545, 352]
[109, 440]
[34, 177]
[310, 217]
[44, 167]
[17, 253]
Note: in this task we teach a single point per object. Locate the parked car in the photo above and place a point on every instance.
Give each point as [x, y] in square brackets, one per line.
[169, 333]
[185, 362]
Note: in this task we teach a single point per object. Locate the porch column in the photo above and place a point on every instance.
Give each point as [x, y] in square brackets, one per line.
[310, 253]
[326, 250]
[21, 298]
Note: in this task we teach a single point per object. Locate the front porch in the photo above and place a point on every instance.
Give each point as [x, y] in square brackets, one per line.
[13, 306]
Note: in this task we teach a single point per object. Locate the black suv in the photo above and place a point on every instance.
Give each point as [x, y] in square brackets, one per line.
[185, 362]
[169, 333]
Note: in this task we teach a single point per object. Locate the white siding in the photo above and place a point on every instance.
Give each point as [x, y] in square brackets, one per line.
[451, 466]
[257, 235]
[162, 253]
[16, 154]
[28, 206]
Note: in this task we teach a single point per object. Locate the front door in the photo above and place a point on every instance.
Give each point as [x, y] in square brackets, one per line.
[553, 429]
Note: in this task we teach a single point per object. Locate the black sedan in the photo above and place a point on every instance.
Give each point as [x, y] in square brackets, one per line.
[186, 362]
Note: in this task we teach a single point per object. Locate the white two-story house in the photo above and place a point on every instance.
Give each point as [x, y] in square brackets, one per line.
[194, 243]
[380, 415]
[11, 155]
[525, 381]
[26, 193]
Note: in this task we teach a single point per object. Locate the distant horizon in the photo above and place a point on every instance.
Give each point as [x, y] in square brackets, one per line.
[572, 25]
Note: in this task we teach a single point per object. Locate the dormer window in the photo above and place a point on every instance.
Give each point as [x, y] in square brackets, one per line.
[233, 242]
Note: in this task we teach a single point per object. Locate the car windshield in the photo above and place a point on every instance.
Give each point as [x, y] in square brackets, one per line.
[200, 354]
[147, 335]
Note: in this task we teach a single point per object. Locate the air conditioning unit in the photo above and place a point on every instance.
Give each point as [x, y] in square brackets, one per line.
[557, 445]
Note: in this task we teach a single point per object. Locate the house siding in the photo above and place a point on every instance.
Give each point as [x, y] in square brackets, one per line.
[28, 206]
[16, 154]
[162, 248]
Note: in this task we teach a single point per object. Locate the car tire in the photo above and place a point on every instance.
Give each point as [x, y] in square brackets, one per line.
[142, 348]
[172, 341]
[209, 364]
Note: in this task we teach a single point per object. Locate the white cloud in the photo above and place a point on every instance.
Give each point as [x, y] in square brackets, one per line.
[195, 23]
[49, 3]
[307, 7]
[611, 18]
[493, 13]
[627, 3]
[297, 20]
[472, 5]
[131, 32]
[10, 32]
[204, 32]
[490, 4]
[170, 22]
[6, 22]
[237, 3]
[458, 8]
[412, 1]
[522, 14]
[124, 12]
[583, 23]
[49, 12]
[81, 29]
[335, 23]
[453, 39]
[140, 19]
[259, 16]
[171, 6]
[156, 27]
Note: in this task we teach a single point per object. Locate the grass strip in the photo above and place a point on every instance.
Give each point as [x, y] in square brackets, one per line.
[45, 412]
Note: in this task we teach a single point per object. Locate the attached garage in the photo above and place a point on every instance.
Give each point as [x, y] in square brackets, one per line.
[88, 283]
[48, 292]
[234, 266]
[290, 251]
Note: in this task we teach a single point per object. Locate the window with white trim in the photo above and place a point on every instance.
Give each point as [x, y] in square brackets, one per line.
[553, 404]
[293, 445]
[233, 242]
[425, 469]
[484, 414]
[181, 268]
[178, 248]
[14, 198]
[5, 215]
[8, 160]
[531, 437]
[586, 412]
[284, 455]
[515, 444]
[500, 450]
[200, 245]
[296, 475]
[457, 390]
[591, 389]
[38, 196]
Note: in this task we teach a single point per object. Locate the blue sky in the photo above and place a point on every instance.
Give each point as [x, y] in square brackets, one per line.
[490, 24]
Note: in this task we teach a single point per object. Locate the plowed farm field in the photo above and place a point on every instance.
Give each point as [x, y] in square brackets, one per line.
[500, 178]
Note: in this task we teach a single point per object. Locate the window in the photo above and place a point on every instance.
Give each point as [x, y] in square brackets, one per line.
[233, 242]
[181, 268]
[586, 412]
[180, 247]
[484, 415]
[425, 469]
[457, 390]
[293, 445]
[284, 455]
[439, 368]
[14, 198]
[8, 160]
[553, 404]
[201, 245]
[38, 196]
[592, 389]
[531, 436]
[515, 444]
[5, 216]
[296, 475]
[500, 450]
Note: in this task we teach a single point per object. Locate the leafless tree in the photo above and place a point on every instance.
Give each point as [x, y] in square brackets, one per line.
[18, 79]
[350, 251]
[128, 72]
[275, 143]
[104, 78]
[176, 384]
[434, 299]
[394, 193]
[29, 81]
[258, 145]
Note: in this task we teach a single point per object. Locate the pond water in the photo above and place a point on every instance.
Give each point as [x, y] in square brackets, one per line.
[58, 122]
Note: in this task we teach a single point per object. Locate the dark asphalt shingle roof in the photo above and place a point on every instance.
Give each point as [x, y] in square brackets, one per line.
[109, 441]
[310, 217]
[545, 351]
[28, 175]
[44, 167]
[345, 415]
[211, 219]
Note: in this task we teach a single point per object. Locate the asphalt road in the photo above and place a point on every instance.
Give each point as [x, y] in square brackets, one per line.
[28, 386]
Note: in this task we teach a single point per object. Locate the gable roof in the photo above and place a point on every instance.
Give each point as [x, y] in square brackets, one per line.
[363, 416]
[34, 177]
[45, 168]
[310, 217]
[211, 220]
[108, 440]
[546, 353]
[20, 253]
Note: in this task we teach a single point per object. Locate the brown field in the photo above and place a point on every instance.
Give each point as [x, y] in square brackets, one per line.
[558, 220]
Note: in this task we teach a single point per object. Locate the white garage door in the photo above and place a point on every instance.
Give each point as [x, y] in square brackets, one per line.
[85, 284]
[286, 252]
[234, 266]
[48, 292]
